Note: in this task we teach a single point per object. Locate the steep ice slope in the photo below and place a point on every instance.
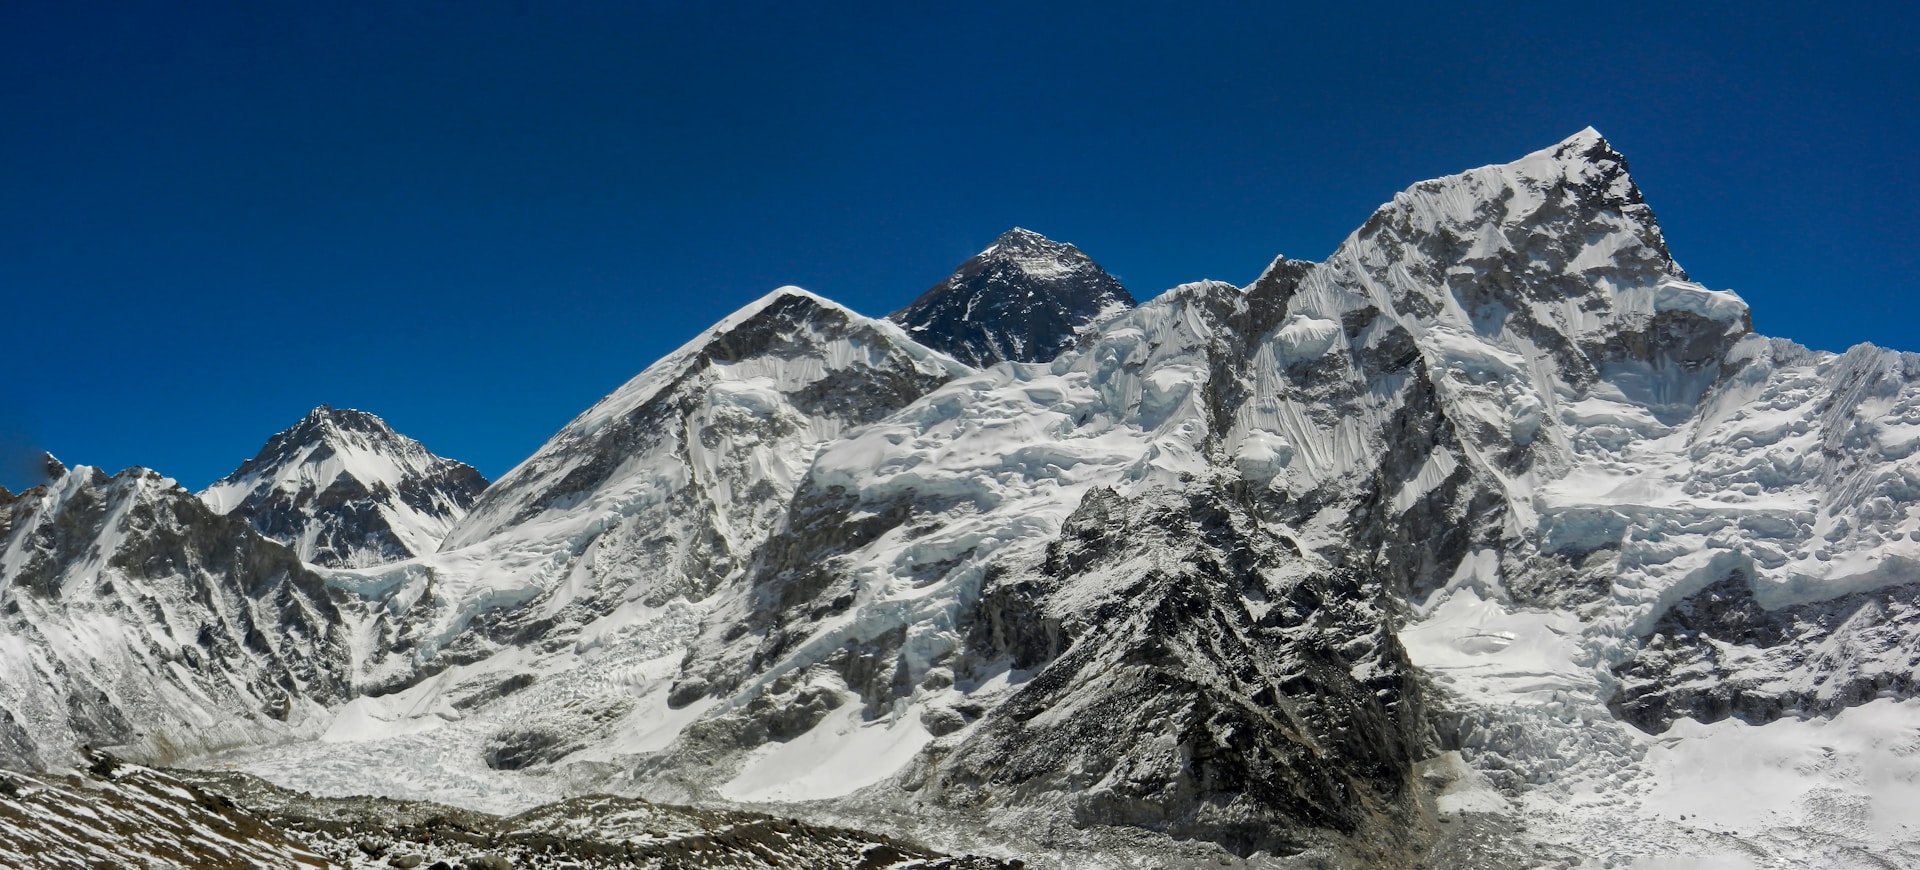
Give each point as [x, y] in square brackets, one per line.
[1316, 416]
[1025, 299]
[638, 510]
[551, 623]
[911, 615]
[132, 615]
[344, 490]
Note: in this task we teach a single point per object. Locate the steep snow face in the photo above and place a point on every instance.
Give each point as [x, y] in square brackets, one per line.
[133, 616]
[1500, 398]
[930, 589]
[654, 497]
[344, 490]
[895, 526]
[1511, 289]
[1025, 298]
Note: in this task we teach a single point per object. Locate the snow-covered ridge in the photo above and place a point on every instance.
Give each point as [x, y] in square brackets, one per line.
[783, 342]
[652, 499]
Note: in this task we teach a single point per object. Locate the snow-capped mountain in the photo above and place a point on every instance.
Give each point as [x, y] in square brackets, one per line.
[1025, 298]
[1488, 540]
[647, 503]
[345, 490]
[132, 615]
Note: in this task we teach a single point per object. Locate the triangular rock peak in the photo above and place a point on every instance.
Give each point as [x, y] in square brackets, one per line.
[345, 490]
[1023, 299]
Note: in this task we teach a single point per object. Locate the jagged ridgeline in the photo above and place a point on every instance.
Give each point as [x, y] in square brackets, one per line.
[1364, 563]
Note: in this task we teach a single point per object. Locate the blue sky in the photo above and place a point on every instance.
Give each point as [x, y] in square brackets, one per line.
[476, 218]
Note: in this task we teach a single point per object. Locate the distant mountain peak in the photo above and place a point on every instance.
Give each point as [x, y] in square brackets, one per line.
[344, 489]
[1024, 298]
[1586, 138]
[322, 425]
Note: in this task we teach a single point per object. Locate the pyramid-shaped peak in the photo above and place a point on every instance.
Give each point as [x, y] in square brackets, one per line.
[1032, 251]
[321, 436]
[345, 490]
[1567, 224]
[1585, 156]
[788, 299]
[51, 468]
[763, 324]
[1581, 175]
[1586, 146]
[1025, 298]
[1586, 138]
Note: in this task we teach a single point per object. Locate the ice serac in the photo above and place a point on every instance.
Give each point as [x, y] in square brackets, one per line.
[345, 490]
[134, 616]
[1036, 597]
[1026, 298]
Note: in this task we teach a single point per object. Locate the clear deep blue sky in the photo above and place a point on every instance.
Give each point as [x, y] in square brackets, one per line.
[476, 218]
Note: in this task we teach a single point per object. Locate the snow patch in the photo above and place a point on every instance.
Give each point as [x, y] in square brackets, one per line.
[841, 755]
[1304, 338]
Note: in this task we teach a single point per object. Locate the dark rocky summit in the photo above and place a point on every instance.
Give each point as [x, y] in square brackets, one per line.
[1025, 298]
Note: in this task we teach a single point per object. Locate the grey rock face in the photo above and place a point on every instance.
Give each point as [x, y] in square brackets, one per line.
[1025, 298]
[344, 490]
[1185, 680]
[1718, 653]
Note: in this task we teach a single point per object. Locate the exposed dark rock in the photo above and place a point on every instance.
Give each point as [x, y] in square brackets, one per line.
[1719, 654]
[495, 692]
[228, 591]
[1025, 298]
[1210, 698]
